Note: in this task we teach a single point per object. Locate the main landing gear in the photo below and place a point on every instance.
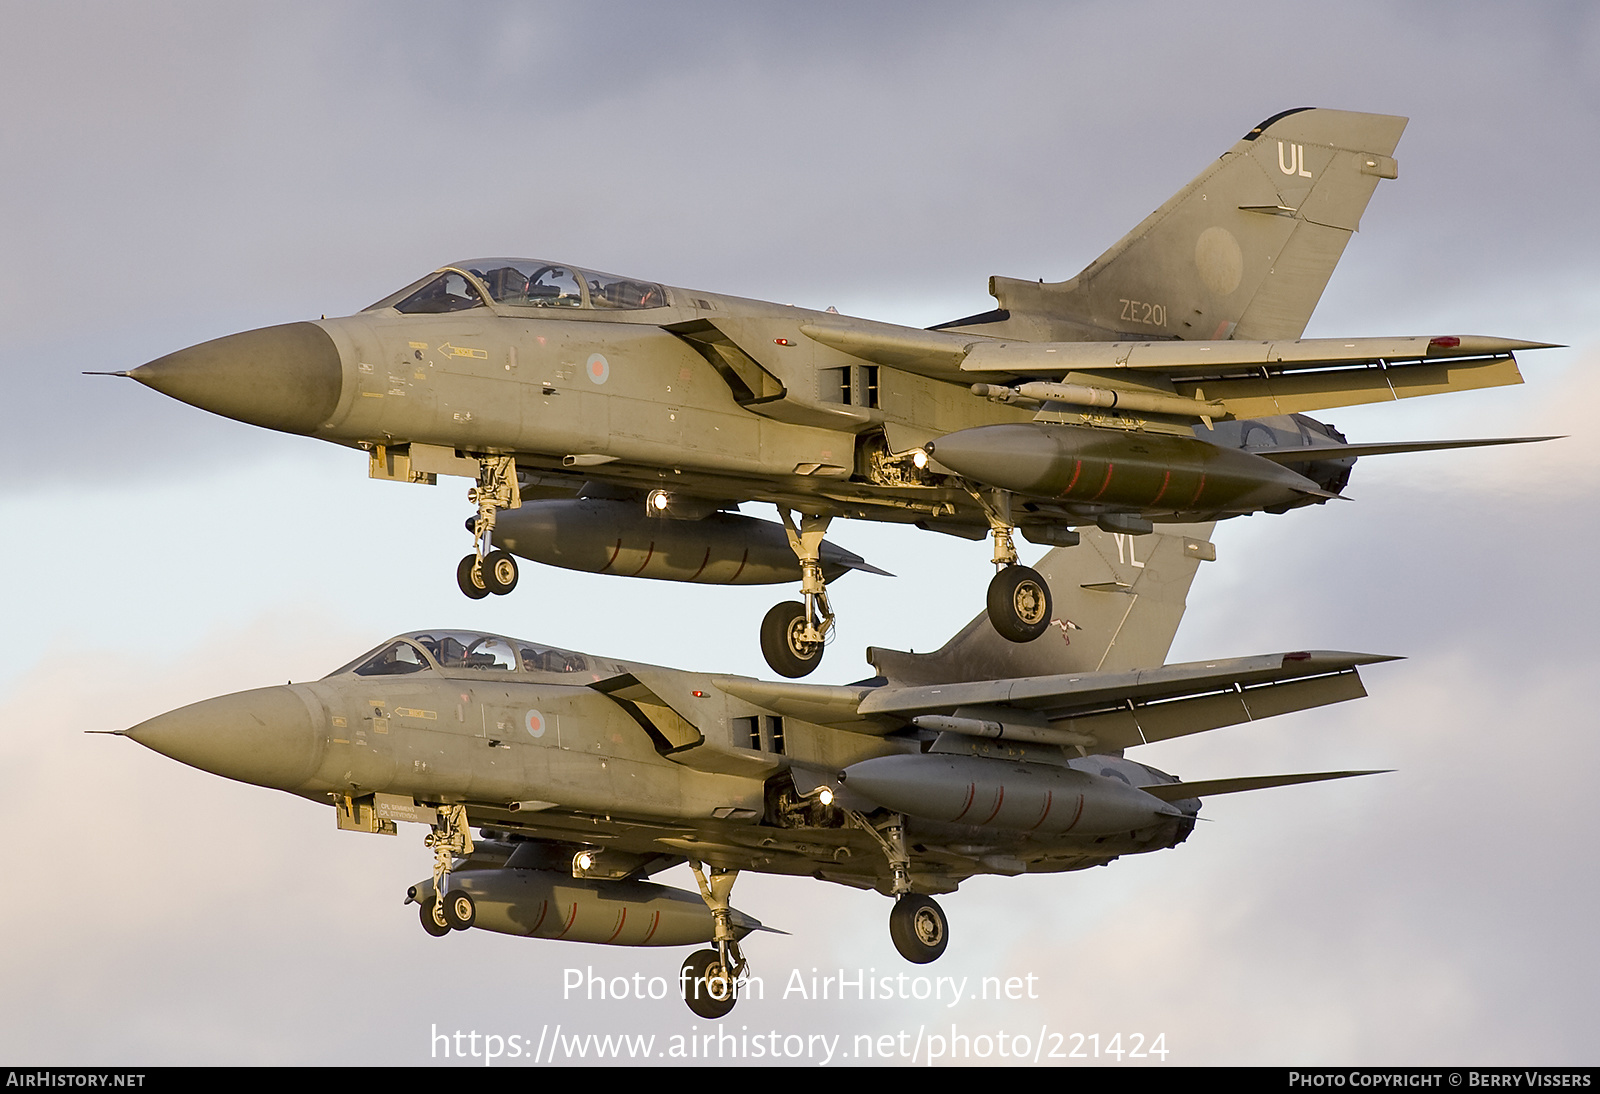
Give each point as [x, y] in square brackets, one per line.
[917, 925]
[487, 571]
[710, 978]
[793, 634]
[1019, 597]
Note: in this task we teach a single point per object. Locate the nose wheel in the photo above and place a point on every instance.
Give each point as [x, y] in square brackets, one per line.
[495, 573]
[469, 575]
[432, 919]
[459, 910]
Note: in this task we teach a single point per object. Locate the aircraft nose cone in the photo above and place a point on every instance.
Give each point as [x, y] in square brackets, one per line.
[265, 737]
[286, 378]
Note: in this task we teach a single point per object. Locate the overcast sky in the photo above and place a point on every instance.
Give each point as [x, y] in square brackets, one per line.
[170, 173]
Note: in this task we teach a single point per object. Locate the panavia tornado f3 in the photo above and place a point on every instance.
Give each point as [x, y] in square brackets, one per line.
[611, 422]
[584, 776]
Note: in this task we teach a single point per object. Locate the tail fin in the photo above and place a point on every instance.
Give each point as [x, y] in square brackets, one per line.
[1117, 603]
[1243, 251]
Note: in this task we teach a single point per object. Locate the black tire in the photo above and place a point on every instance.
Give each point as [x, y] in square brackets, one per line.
[430, 922]
[499, 572]
[470, 583]
[918, 928]
[459, 910]
[707, 988]
[1019, 604]
[780, 645]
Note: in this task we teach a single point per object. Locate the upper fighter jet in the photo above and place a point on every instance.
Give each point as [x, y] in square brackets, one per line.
[612, 422]
[585, 775]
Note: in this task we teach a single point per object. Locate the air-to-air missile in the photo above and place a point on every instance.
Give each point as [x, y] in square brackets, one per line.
[1118, 398]
[585, 776]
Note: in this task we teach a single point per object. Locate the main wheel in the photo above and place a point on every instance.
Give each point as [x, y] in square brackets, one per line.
[782, 646]
[1019, 604]
[499, 572]
[707, 987]
[431, 920]
[459, 910]
[918, 928]
[471, 582]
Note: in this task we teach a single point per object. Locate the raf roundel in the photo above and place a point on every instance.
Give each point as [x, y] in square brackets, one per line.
[598, 368]
[535, 723]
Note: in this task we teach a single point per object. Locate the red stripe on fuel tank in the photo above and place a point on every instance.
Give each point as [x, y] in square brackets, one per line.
[615, 551]
[1049, 796]
[621, 919]
[570, 919]
[1166, 481]
[648, 555]
[740, 570]
[655, 921]
[1076, 817]
[1199, 488]
[972, 790]
[1077, 469]
[703, 562]
[999, 800]
[544, 908]
[1110, 467]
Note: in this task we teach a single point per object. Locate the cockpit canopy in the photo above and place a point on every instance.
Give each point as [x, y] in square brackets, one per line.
[457, 651]
[521, 283]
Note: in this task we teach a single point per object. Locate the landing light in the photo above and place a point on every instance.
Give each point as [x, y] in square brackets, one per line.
[659, 500]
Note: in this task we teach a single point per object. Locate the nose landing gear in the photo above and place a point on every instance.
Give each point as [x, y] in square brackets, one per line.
[487, 571]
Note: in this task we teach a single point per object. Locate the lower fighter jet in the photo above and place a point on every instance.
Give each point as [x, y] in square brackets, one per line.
[586, 775]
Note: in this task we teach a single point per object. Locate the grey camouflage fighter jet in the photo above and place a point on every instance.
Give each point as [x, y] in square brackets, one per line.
[585, 775]
[612, 423]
